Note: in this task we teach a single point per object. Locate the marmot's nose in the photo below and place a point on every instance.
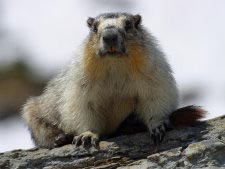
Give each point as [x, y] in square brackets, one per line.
[110, 39]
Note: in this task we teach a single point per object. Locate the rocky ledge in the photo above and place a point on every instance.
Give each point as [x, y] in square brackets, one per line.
[198, 146]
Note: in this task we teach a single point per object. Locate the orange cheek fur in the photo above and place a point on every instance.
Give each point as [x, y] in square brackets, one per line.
[137, 58]
[91, 63]
[96, 66]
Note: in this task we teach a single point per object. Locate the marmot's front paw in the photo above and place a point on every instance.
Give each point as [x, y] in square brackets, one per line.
[157, 134]
[86, 139]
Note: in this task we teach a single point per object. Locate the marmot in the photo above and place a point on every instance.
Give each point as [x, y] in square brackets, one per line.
[119, 70]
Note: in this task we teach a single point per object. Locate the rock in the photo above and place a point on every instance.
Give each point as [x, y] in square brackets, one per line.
[198, 146]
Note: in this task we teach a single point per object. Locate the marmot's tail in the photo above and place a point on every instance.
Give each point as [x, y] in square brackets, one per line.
[187, 116]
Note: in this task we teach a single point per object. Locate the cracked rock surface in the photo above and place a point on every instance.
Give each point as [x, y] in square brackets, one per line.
[198, 146]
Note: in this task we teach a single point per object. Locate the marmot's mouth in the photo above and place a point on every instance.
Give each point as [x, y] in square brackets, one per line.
[112, 50]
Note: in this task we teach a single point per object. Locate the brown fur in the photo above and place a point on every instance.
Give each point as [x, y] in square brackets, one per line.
[187, 115]
[96, 67]
[137, 61]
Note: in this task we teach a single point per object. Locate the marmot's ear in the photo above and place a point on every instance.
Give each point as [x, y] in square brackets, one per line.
[137, 20]
[90, 22]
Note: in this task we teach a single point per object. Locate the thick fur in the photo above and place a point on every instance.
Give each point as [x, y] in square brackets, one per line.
[187, 116]
[94, 94]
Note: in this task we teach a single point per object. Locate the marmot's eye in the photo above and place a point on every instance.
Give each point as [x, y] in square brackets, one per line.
[128, 25]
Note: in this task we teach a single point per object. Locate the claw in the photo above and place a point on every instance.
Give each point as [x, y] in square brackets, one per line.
[95, 142]
[77, 140]
[86, 139]
[158, 134]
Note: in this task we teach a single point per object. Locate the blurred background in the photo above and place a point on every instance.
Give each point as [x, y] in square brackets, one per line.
[38, 38]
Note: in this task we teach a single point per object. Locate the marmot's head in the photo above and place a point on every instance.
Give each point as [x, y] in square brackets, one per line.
[113, 33]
